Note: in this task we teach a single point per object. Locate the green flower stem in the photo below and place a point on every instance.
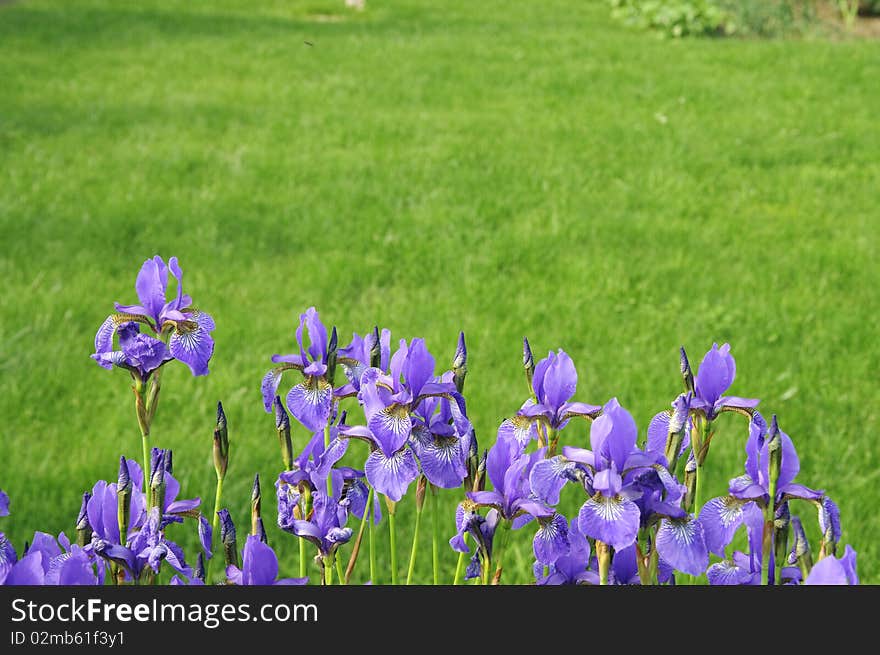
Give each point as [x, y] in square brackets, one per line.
[215, 525]
[340, 572]
[140, 408]
[355, 552]
[303, 559]
[392, 540]
[435, 533]
[767, 536]
[371, 520]
[328, 571]
[502, 535]
[326, 445]
[415, 546]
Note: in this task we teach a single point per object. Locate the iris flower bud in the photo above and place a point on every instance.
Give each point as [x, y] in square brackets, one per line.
[774, 453]
[375, 349]
[282, 426]
[528, 361]
[421, 490]
[687, 375]
[690, 482]
[123, 498]
[332, 348]
[227, 537]
[459, 363]
[221, 443]
[157, 479]
[83, 528]
[255, 505]
[199, 571]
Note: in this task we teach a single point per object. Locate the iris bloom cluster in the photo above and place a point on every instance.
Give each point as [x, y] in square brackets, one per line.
[601, 503]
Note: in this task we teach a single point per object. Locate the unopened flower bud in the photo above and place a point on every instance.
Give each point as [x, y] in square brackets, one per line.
[221, 443]
[800, 554]
[123, 499]
[282, 426]
[829, 524]
[332, 355]
[677, 427]
[157, 479]
[774, 452]
[459, 363]
[199, 571]
[781, 527]
[528, 361]
[255, 505]
[421, 490]
[375, 349]
[261, 531]
[83, 528]
[690, 482]
[687, 374]
[227, 537]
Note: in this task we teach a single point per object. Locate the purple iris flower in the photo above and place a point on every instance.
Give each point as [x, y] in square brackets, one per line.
[610, 515]
[714, 377]
[189, 330]
[311, 400]
[554, 383]
[151, 547]
[435, 438]
[552, 539]
[259, 566]
[173, 510]
[509, 468]
[325, 528]
[102, 506]
[833, 571]
[482, 530]
[404, 415]
[720, 517]
[312, 468]
[48, 563]
[358, 356]
[570, 566]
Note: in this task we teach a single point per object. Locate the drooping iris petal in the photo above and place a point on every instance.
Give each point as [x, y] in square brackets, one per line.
[4, 503]
[715, 374]
[829, 520]
[8, 557]
[551, 540]
[391, 476]
[191, 342]
[548, 477]
[614, 521]
[391, 427]
[310, 402]
[728, 573]
[681, 543]
[519, 428]
[720, 519]
[443, 462]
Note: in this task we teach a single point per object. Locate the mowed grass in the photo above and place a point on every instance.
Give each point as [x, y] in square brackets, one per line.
[503, 168]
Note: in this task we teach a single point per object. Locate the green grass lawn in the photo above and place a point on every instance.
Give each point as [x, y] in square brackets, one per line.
[503, 168]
